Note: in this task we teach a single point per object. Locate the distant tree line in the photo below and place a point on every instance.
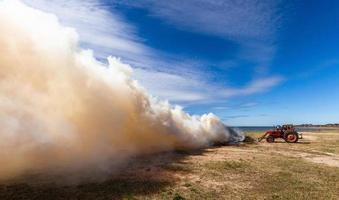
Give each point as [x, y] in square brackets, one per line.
[318, 125]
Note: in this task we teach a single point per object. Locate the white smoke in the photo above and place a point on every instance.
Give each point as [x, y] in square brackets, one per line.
[63, 109]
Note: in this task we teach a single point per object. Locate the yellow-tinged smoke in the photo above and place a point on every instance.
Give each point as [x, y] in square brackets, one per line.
[60, 108]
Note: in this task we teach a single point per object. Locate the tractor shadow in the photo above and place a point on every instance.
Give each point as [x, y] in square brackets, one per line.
[303, 142]
[299, 142]
[141, 175]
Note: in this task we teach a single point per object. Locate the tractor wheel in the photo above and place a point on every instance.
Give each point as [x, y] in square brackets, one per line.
[270, 139]
[291, 137]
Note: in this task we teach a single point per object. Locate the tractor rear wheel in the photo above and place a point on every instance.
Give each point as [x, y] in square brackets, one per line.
[291, 137]
[270, 139]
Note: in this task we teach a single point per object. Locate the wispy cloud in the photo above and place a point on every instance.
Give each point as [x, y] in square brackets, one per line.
[256, 86]
[100, 28]
[183, 89]
[235, 116]
[251, 23]
[225, 18]
[248, 105]
[172, 86]
[243, 105]
[311, 71]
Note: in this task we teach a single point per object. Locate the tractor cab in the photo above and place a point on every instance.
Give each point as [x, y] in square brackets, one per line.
[288, 127]
[278, 128]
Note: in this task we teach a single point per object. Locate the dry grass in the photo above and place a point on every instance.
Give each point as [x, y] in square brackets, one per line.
[249, 171]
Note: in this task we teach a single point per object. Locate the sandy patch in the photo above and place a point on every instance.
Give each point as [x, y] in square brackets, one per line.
[318, 157]
[330, 161]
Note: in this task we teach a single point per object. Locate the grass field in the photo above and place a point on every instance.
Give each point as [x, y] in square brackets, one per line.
[305, 170]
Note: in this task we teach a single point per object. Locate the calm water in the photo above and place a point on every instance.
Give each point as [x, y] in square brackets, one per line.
[254, 128]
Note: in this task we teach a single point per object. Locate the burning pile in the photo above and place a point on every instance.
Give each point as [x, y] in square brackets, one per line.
[63, 109]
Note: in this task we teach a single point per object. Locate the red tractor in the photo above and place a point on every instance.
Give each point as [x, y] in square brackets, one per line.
[286, 132]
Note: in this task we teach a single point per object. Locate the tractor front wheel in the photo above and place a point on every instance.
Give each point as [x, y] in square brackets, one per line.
[270, 139]
[291, 137]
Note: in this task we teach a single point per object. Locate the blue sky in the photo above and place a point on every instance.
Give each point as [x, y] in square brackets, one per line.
[250, 62]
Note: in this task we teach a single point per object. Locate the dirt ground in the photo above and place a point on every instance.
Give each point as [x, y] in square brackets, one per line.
[308, 169]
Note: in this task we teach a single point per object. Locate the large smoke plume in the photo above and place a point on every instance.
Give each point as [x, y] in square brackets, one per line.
[60, 108]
